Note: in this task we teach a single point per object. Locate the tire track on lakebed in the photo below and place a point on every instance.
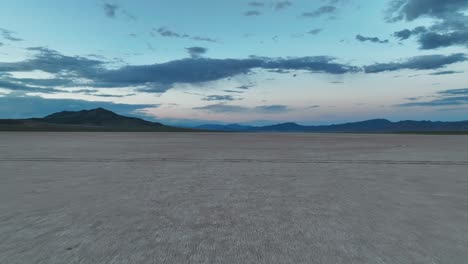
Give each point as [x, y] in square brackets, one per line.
[233, 160]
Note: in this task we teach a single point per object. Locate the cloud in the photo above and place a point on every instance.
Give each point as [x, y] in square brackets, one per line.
[196, 52]
[233, 91]
[425, 62]
[14, 106]
[410, 10]
[315, 31]
[225, 108]
[256, 4]
[463, 91]
[270, 109]
[76, 71]
[371, 39]
[459, 100]
[406, 33]
[432, 40]
[52, 61]
[324, 10]
[165, 32]
[163, 76]
[449, 97]
[246, 87]
[8, 35]
[280, 5]
[110, 9]
[219, 98]
[14, 86]
[451, 22]
[252, 13]
[445, 72]
[169, 33]
[222, 108]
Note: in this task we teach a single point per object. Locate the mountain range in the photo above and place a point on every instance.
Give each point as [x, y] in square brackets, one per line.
[104, 120]
[369, 126]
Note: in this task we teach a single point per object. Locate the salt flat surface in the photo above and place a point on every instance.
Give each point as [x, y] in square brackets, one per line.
[233, 198]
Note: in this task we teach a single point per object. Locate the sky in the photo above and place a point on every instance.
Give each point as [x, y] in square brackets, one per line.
[256, 62]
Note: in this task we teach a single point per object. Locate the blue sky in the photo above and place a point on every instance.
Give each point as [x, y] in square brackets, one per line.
[251, 62]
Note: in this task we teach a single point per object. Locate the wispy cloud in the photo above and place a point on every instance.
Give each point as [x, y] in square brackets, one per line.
[219, 98]
[9, 35]
[371, 39]
[165, 32]
[252, 13]
[280, 5]
[225, 108]
[449, 98]
[424, 62]
[324, 10]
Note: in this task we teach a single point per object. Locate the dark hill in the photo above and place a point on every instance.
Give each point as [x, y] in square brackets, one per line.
[87, 120]
[97, 117]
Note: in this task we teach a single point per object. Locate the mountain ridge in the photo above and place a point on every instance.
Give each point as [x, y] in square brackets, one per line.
[101, 119]
[378, 125]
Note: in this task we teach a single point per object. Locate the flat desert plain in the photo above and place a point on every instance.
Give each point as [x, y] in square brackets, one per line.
[233, 198]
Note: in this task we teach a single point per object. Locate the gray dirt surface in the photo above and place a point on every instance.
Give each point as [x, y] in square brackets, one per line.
[233, 198]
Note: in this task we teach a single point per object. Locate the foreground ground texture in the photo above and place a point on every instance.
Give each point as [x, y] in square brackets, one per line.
[233, 198]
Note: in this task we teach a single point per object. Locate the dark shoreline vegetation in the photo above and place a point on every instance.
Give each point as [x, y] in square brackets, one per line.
[102, 120]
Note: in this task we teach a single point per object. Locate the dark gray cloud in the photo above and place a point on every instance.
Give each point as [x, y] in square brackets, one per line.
[458, 100]
[444, 98]
[406, 33]
[225, 108]
[280, 5]
[252, 13]
[410, 10]
[52, 61]
[426, 62]
[169, 33]
[271, 109]
[463, 91]
[196, 52]
[219, 98]
[371, 39]
[110, 9]
[163, 76]
[451, 23]
[445, 72]
[35, 106]
[233, 91]
[9, 35]
[222, 108]
[324, 10]
[14, 86]
[246, 87]
[315, 31]
[75, 71]
[112, 95]
[432, 40]
[165, 32]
